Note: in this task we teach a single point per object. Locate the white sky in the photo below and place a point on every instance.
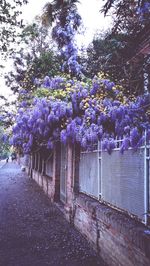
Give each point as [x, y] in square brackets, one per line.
[89, 10]
[93, 21]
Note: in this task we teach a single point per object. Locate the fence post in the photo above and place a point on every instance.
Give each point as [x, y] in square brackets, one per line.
[99, 156]
[146, 181]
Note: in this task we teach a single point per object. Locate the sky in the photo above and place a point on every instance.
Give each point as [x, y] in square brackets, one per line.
[89, 10]
[93, 21]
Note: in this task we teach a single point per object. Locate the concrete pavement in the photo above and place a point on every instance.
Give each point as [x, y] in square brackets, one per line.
[33, 231]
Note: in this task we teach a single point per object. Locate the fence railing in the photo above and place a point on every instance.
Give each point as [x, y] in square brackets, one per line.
[121, 180]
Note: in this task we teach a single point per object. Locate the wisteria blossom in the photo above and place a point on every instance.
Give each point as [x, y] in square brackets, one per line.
[87, 113]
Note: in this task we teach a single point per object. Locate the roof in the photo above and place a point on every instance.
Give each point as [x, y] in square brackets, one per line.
[142, 45]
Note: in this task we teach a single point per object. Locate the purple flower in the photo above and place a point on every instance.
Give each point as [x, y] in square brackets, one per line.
[125, 144]
[84, 143]
[47, 82]
[134, 137]
[50, 144]
[63, 136]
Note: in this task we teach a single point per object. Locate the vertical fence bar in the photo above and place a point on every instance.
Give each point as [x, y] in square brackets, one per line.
[35, 160]
[98, 171]
[145, 182]
[101, 173]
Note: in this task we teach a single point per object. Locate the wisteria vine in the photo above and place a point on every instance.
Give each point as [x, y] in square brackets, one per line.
[64, 35]
[85, 113]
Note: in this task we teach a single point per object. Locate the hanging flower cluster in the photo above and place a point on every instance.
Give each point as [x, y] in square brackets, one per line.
[87, 112]
[64, 36]
[144, 11]
[69, 110]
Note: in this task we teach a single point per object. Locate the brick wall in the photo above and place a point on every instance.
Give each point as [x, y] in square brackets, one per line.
[46, 183]
[50, 185]
[119, 239]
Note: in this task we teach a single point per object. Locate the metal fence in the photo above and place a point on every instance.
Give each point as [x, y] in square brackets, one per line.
[89, 173]
[119, 179]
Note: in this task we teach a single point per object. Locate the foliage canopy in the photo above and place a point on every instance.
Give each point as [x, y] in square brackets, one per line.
[9, 21]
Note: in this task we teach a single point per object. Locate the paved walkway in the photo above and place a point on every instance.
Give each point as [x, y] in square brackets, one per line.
[32, 231]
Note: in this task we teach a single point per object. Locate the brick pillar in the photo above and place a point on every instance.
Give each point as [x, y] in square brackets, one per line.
[76, 168]
[70, 175]
[70, 183]
[56, 171]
